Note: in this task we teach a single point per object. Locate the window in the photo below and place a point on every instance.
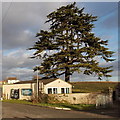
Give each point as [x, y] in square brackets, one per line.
[49, 90]
[67, 90]
[62, 90]
[14, 93]
[26, 92]
[54, 90]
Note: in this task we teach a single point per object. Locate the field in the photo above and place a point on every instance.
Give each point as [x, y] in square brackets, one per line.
[83, 87]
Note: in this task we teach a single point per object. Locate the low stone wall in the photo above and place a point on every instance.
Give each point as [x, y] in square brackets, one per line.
[103, 100]
[83, 98]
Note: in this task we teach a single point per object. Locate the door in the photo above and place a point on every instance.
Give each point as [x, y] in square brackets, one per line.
[15, 93]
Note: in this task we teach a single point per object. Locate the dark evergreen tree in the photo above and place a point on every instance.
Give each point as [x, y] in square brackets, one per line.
[74, 47]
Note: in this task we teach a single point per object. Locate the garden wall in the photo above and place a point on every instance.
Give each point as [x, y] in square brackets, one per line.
[84, 98]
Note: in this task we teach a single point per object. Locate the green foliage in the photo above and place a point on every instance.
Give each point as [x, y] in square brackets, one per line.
[86, 87]
[53, 105]
[74, 47]
[18, 101]
[43, 98]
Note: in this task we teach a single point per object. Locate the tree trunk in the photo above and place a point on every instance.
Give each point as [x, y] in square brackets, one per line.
[67, 74]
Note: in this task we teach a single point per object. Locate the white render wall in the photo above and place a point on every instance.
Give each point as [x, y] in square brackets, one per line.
[58, 83]
[7, 90]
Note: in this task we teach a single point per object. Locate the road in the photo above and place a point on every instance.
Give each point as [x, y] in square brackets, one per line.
[30, 112]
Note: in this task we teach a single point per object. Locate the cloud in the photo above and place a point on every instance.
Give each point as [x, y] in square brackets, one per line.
[22, 74]
[30, 17]
[24, 19]
[20, 24]
[18, 62]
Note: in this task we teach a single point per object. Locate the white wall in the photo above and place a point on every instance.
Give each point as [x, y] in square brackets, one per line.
[7, 89]
[58, 83]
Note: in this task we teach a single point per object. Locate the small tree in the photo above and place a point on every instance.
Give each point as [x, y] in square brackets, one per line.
[72, 45]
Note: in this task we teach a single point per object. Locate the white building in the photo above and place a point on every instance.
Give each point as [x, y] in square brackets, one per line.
[11, 80]
[54, 86]
[26, 89]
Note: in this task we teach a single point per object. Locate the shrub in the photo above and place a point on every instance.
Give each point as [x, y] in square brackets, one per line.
[42, 98]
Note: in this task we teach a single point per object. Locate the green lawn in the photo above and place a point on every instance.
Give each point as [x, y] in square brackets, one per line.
[85, 87]
[53, 105]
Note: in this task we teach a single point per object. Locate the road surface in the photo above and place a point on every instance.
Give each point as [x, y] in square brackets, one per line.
[31, 112]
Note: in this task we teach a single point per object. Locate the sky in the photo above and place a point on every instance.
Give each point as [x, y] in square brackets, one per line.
[22, 20]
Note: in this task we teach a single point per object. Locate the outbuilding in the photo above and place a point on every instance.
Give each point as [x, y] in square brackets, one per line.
[27, 89]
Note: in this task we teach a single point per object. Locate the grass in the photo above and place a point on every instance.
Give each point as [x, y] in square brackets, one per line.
[60, 105]
[85, 87]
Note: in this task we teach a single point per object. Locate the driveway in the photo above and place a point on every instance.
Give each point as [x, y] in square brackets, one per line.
[30, 112]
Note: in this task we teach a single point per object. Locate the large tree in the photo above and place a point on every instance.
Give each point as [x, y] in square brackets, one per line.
[70, 45]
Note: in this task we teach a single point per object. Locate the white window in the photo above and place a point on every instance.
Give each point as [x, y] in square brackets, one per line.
[52, 91]
[62, 90]
[49, 90]
[67, 90]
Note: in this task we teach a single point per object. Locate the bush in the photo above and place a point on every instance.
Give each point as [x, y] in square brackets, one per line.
[52, 99]
[42, 98]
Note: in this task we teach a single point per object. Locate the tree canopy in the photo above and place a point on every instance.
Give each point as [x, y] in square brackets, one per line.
[72, 45]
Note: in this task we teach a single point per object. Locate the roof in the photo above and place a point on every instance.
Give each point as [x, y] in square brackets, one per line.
[45, 81]
[23, 82]
[11, 78]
